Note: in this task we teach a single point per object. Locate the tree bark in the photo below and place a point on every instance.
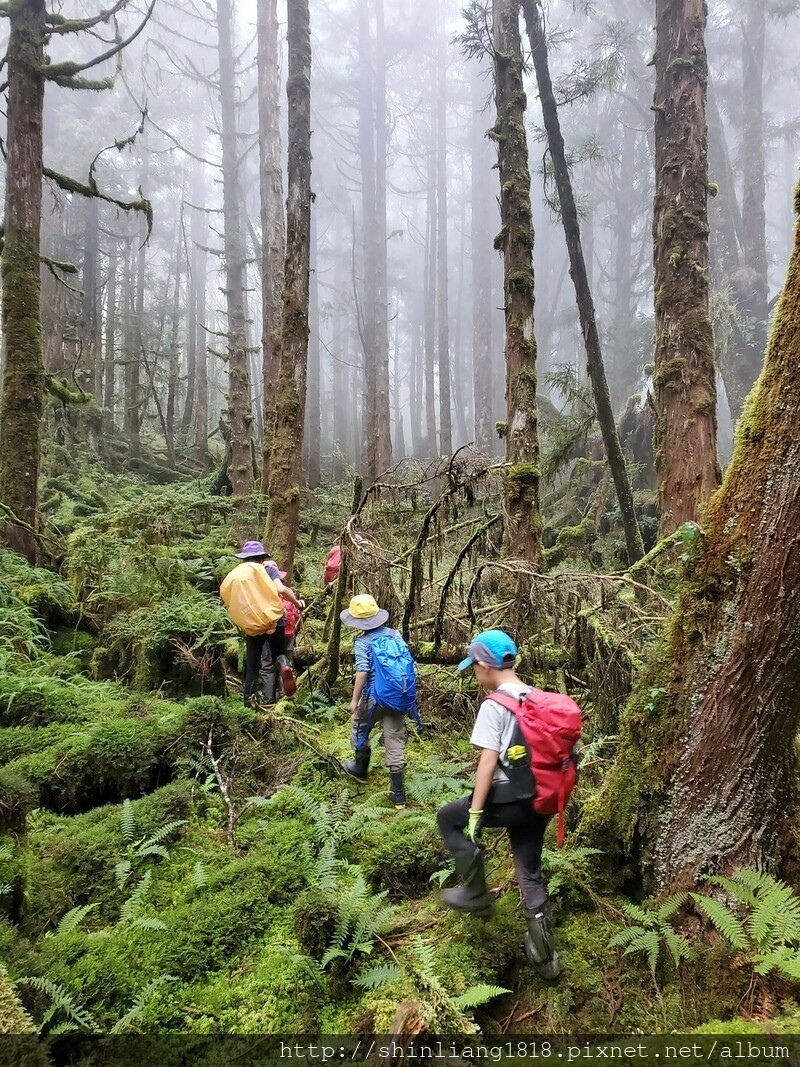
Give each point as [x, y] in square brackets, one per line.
[313, 413]
[23, 375]
[240, 467]
[442, 281]
[284, 488]
[704, 779]
[583, 294]
[523, 523]
[429, 295]
[109, 391]
[273, 236]
[92, 356]
[684, 381]
[379, 236]
[481, 272]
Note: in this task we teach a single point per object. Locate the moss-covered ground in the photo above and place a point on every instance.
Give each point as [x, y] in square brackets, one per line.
[134, 895]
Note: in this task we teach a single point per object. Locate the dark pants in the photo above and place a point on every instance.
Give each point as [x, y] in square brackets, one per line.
[254, 646]
[525, 832]
[271, 684]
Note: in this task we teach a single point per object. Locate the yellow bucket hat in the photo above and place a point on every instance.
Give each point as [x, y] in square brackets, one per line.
[364, 613]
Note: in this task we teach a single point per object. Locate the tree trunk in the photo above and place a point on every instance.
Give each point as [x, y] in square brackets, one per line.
[481, 272]
[174, 347]
[92, 356]
[135, 403]
[583, 295]
[240, 467]
[383, 423]
[273, 236]
[523, 523]
[442, 310]
[754, 293]
[284, 488]
[23, 375]
[704, 779]
[314, 412]
[199, 256]
[684, 382]
[429, 296]
[109, 391]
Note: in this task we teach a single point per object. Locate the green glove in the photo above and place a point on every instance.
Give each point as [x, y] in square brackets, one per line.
[474, 825]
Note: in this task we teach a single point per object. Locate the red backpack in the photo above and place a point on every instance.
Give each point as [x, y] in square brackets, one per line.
[550, 724]
[332, 564]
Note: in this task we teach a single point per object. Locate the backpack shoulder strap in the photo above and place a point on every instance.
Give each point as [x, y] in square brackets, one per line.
[511, 703]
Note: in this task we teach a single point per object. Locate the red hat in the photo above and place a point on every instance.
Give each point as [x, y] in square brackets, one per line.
[272, 563]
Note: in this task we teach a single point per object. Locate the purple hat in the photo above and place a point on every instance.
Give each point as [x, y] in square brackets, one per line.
[252, 550]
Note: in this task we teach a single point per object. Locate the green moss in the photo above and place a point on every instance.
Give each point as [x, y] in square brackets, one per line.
[523, 472]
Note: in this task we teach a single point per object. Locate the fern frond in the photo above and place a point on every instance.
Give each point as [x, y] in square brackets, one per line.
[648, 942]
[199, 875]
[122, 872]
[153, 850]
[672, 905]
[378, 975]
[727, 923]
[74, 917]
[144, 922]
[127, 822]
[135, 1012]
[624, 937]
[477, 995]
[135, 899]
[6, 852]
[160, 834]
[679, 948]
[646, 918]
[61, 1000]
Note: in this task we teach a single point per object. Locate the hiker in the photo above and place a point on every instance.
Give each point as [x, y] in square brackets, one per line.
[272, 685]
[384, 691]
[333, 564]
[260, 598]
[502, 797]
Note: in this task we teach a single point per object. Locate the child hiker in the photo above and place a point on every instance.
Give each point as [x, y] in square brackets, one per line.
[384, 691]
[495, 801]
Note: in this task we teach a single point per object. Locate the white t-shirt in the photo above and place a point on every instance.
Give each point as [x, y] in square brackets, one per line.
[494, 727]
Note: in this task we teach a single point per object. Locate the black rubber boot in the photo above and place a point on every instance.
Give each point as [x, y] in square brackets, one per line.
[358, 764]
[540, 946]
[397, 793]
[472, 895]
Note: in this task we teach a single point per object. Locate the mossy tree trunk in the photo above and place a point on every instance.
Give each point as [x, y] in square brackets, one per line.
[705, 778]
[240, 465]
[684, 382]
[583, 294]
[286, 467]
[23, 376]
[523, 524]
[273, 241]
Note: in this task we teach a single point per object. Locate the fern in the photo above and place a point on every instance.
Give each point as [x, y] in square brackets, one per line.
[478, 995]
[378, 975]
[127, 822]
[61, 1000]
[199, 875]
[73, 918]
[134, 901]
[135, 1012]
[767, 926]
[652, 932]
[160, 834]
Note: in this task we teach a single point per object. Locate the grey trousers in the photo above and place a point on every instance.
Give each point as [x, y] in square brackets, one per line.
[393, 726]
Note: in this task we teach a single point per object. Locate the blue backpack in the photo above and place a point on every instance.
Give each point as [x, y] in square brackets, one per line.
[394, 683]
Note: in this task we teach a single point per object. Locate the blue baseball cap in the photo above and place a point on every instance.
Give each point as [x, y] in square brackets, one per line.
[493, 647]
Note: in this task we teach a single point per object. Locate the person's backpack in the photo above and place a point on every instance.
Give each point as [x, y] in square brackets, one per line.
[550, 724]
[333, 562]
[292, 616]
[252, 599]
[394, 682]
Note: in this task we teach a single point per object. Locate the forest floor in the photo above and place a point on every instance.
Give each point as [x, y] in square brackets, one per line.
[171, 862]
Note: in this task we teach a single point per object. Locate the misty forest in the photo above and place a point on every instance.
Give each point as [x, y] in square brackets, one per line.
[503, 303]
